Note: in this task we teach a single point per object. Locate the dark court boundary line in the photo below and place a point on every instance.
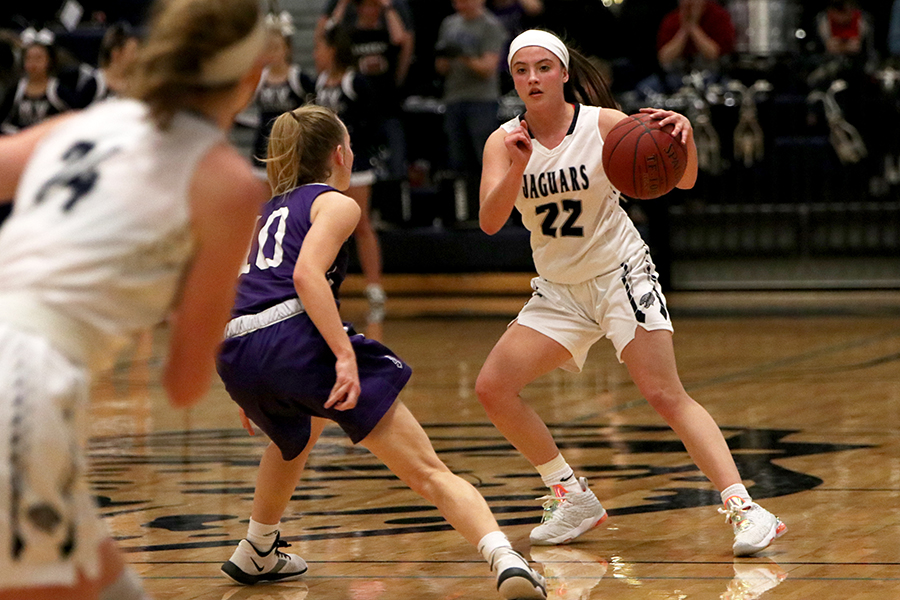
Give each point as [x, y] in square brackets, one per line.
[490, 577]
[479, 562]
[854, 490]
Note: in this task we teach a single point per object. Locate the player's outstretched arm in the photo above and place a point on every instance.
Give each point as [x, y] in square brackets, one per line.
[225, 200]
[16, 150]
[334, 217]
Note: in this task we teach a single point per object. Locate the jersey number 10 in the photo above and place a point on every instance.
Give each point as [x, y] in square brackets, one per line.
[262, 261]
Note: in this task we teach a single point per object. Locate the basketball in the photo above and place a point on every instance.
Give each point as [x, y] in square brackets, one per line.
[641, 159]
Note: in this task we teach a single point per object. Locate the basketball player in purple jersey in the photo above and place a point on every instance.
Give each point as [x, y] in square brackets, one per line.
[289, 361]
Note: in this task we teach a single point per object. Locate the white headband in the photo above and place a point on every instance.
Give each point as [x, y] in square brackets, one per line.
[544, 39]
[230, 63]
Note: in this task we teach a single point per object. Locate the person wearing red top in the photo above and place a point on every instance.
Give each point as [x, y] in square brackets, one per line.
[845, 30]
[698, 33]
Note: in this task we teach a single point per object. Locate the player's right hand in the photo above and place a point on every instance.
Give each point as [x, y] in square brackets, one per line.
[346, 388]
[518, 144]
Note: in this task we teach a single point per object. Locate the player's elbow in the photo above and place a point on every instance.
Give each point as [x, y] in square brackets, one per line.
[489, 228]
[305, 278]
[488, 224]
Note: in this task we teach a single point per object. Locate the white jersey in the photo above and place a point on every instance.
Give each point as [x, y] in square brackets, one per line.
[100, 230]
[578, 229]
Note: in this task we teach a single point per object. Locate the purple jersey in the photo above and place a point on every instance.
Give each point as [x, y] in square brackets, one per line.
[283, 225]
[281, 370]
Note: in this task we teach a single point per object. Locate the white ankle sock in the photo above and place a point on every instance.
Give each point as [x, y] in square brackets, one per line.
[737, 490]
[558, 472]
[261, 535]
[491, 542]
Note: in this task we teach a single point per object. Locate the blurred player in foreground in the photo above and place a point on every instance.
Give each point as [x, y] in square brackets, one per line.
[130, 212]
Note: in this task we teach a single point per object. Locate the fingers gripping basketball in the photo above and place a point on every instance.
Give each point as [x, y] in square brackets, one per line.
[641, 159]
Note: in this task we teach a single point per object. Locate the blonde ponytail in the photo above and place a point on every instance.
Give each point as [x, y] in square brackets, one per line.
[300, 147]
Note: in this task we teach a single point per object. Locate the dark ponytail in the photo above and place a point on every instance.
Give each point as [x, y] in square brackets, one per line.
[586, 83]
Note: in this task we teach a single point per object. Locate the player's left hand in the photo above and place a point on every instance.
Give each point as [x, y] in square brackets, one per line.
[683, 130]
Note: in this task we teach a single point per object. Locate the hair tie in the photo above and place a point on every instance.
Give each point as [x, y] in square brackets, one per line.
[543, 39]
[282, 23]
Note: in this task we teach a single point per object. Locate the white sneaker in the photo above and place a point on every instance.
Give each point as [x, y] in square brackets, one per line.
[754, 527]
[377, 299]
[568, 516]
[752, 580]
[516, 580]
[249, 566]
[571, 573]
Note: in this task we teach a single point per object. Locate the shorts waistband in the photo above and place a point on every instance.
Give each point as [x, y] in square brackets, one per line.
[245, 324]
[77, 340]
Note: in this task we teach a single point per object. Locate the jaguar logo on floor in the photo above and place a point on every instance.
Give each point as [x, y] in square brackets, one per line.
[347, 493]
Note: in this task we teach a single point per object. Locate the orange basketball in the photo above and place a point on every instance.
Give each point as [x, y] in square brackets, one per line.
[641, 159]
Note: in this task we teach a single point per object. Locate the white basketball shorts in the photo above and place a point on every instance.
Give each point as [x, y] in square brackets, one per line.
[49, 528]
[612, 305]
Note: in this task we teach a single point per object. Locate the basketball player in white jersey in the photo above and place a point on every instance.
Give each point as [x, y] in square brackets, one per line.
[595, 279]
[132, 211]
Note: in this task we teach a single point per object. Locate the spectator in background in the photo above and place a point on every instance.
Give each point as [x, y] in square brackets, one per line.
[516, 16]
[894, 32]
[468, 52]
[118, 50]
[382, 40]
[348, 93]
[381, 33]
[638, 22]
[848, 45]
[283, 85]
[37, 95]
[846, 31]
[696, 35]
[8, 48]
[593, 25]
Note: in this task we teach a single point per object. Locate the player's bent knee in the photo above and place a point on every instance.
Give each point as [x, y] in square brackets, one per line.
[432, 483]
[669, 405]
[489, 390]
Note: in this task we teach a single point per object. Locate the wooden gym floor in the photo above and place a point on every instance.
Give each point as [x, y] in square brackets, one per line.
[806, 388]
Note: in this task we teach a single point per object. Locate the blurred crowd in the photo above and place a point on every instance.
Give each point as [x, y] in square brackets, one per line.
[382, 64]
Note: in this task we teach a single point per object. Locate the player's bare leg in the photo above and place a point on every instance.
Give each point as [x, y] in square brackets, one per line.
[258, 558]
[519, 357]
[650, 358]
[402, 445]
